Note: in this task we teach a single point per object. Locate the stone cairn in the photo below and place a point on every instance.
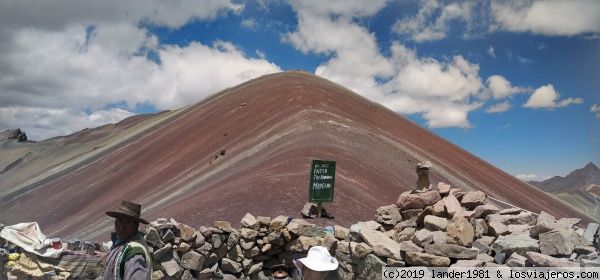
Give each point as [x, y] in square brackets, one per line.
[443, 227]
[423, 183]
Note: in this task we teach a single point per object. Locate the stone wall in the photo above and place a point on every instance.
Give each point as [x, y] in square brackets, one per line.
[441, 227]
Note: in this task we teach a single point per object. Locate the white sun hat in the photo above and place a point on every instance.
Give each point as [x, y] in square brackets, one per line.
[319, 259]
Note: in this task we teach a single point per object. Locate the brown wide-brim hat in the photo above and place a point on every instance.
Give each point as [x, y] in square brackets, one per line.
[128, 210]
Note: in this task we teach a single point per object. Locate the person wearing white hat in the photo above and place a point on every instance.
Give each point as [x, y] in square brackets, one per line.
[317, 264]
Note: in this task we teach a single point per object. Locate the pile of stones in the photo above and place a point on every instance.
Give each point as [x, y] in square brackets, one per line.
[443, 227]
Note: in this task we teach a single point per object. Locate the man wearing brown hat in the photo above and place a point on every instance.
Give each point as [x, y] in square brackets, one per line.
[128, 258]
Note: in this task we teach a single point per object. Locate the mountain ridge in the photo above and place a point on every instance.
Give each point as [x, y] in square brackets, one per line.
[576, 180]
[580, 189]
[246, 149]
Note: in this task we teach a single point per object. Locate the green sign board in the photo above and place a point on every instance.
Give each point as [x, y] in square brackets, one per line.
[322, 179]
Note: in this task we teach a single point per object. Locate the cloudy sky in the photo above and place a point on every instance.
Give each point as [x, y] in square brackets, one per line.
[514, 82]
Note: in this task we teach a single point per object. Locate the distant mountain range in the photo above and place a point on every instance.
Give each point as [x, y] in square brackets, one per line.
[580, 189]
[576, 180]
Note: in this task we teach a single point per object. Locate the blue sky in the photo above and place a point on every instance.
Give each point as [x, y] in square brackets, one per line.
[513, 82]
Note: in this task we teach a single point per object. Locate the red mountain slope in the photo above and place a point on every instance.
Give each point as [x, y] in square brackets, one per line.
[270, 129]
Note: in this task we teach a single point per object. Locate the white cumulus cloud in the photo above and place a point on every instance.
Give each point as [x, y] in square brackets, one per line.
[57, 15]
[528, 177]
[523, 60]
[547, 97]
[443, 92]
[74, 61]
[42, 123]
[491, 52]
[433, 20]
[500, 87]
[596, 110]
[552, 17]
[249, 23]
[498, 107]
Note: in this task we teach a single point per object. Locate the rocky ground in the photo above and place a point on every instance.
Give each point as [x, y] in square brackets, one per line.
[444, 227]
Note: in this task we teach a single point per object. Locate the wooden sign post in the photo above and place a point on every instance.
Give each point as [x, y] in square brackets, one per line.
[322, 181]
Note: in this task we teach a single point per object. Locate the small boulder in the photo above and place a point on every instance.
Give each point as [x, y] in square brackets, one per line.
[224, 226]
[370, 267]
[388, 215]
[250, 221]
[360, 250]
[473, 199]
[408, 246]
[481, 228]
[278, 223]
[186, 232]
[434, 223]
[153, 237]
[228, 265]
[158, 254]
[468, 263]
[439, 237]
[275, 238]
[545, 218]
[264, 221]
[497, 229]
[425, 259]
[484, 210]
[458, 193]
[538, 259]
[516, 260]
[561, 242]
[410, 214]
[170, 266]
[519, 243]
[452, 205]
[299, 227]
[439, 209]
[443, 188]
[254, 269]
[381, 244]
[518, 228]
[481, 246]
[460, 232]
[422, 237]
[410, 200]
[405, 235]
[192, 260]
[303, 243]
[309, 210]
[452, 251]
[340, 232]
[567, 222]
[590, 231]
